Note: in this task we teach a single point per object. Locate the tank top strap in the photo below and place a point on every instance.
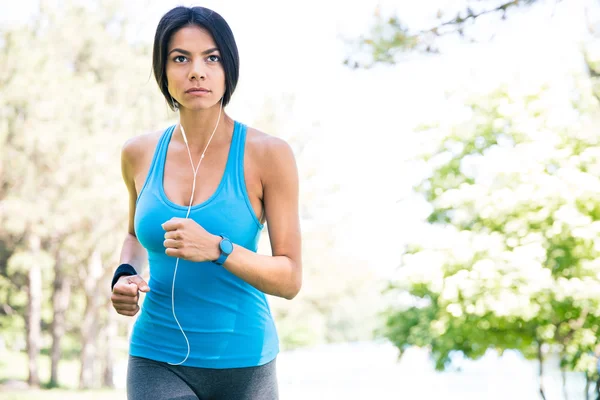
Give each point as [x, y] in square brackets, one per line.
[235, 163]
[158, 161]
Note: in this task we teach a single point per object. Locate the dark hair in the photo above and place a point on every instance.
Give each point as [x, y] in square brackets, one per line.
[208, 19]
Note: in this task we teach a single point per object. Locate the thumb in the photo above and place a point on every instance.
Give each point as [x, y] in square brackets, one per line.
[141, 284]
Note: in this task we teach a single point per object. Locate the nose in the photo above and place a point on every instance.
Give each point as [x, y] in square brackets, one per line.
[198, 70]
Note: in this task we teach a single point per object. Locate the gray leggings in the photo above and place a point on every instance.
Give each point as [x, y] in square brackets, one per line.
[154, 380]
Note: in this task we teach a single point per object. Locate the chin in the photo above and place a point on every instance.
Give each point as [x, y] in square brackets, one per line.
[201, 105]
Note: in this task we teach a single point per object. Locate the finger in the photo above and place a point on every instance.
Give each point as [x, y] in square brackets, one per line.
[176, 235]
[126, 289]
[141, 284]
[126, 307]
[172, 244]
[173, 252]
[129, 313]
[123, 299]
[173, 224]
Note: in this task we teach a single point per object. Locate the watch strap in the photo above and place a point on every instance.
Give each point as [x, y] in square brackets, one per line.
[223, 256]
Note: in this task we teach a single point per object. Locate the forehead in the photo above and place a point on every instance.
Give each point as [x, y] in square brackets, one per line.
[192, 38]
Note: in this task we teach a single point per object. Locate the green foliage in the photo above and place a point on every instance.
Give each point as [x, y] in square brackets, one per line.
[389, 37]
[511, 256]
[72, 91]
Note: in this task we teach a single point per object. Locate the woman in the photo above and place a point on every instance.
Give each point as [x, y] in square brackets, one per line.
[199, 195]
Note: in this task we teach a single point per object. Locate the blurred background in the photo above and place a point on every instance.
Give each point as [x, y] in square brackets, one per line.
[449, 163]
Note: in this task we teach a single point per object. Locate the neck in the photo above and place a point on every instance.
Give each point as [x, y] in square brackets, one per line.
[199, 125]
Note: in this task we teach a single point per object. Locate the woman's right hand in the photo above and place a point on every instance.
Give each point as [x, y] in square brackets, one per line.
[125, 294]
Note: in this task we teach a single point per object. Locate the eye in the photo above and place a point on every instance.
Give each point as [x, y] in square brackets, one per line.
[179, 59]
[214, 58]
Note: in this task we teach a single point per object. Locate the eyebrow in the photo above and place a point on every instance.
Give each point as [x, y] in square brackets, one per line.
[187, 53]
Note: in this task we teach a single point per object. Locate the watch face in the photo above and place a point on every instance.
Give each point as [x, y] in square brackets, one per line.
[226, 246]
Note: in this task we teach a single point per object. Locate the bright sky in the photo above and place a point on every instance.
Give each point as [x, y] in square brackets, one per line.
[366, 118]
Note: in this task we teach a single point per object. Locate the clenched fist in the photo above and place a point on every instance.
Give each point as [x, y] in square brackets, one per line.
[125, 294]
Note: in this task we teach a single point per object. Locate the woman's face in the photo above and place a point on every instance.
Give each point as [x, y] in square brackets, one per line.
[195, 75]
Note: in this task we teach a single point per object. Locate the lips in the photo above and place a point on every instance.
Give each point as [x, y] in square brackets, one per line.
[197, 89]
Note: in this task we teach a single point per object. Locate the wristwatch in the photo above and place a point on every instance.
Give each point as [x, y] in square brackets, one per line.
[226, 248]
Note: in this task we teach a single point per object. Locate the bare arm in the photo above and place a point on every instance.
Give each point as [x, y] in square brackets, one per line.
[125, 294]
[132, 252]
[279, 274]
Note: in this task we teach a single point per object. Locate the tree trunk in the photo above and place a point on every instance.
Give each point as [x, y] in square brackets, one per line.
[89, 324]
[34, 314]
[563, 375]
[110, 333]
[587, 386]
[60, 302]
[541, 372]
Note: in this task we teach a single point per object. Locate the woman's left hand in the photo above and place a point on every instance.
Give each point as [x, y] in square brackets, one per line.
[185, 238]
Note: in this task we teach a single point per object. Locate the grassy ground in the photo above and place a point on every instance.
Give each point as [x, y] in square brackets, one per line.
[13, 371]
[13, 366]
[60, 394]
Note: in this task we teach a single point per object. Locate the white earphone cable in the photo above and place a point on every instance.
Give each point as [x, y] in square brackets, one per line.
[195, 170]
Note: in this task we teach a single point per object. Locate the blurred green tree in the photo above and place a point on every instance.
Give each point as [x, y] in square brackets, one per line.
[511, 259]
[390, 36]
[72, 90]
[516, 266]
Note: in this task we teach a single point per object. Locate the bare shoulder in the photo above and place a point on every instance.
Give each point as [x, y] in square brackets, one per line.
[139, 148]
[136, 157]
[271, 162]
[268, 148]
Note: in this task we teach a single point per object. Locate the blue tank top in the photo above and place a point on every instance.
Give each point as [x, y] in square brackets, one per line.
[227, 321]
